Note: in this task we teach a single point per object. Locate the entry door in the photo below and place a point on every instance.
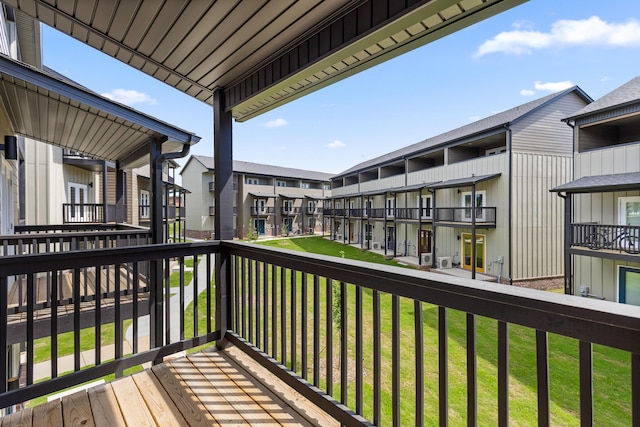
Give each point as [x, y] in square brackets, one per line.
[145, 206]
[425, 241]
[77, 198]
[391, 238]
[629, 285]
[351, 227]
[466, 252]
[260, 226]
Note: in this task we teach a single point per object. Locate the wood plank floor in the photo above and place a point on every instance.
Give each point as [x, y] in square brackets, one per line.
[221, 388]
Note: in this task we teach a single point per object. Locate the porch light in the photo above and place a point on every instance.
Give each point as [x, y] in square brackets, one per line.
[10, 147]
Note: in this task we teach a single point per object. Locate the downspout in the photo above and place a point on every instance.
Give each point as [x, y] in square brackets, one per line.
[510, 219]
[155, 234]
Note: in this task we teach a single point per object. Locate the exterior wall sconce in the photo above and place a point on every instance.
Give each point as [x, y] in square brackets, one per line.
[10, 147]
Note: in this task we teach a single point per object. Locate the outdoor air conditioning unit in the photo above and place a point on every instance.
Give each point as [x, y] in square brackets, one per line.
[375, 245]
[427, 259]
[339, 237]
[444, 262]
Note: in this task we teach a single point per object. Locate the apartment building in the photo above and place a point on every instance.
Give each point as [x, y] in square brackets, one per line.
[268, 200]
[602, 202]
[475, 198]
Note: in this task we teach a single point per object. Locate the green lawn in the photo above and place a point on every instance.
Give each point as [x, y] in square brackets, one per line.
[611, 368]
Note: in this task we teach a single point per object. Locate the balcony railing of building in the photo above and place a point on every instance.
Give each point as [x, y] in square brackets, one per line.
[291, 210]
[333, 329]
[86, 213]
[617, 238]
[170, 212]
[267, 210]
[485, 216]
[312, 210]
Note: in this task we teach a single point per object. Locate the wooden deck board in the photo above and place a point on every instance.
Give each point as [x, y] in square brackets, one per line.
[203, 389]
[48, 414]
[104, 406]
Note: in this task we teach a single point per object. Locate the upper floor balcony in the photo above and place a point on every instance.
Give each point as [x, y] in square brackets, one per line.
[485, 217]
[290, 210]
[262, 210]
[367, 344]
[607, 241]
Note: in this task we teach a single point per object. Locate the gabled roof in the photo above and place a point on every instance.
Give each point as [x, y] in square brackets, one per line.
[493, 122]
[261, 54]
[46, 106]
[265, 170]
[628, 93]
[601, 183]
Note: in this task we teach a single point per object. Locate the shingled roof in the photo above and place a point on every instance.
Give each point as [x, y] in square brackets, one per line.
[628, 93]
[267, 170]
[497, 120]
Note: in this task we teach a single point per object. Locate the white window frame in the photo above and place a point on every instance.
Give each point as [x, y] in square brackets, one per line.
[425, 206]
[622, 211]
[252, 181]
[260, 205]
[78, 212]
[145, 195]
[281, 183]
[391, 207]
[466, 213]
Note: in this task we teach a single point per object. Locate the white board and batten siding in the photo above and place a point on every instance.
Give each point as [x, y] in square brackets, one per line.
[538, 214]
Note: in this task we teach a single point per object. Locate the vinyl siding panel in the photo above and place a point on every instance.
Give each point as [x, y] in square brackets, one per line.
[382, 184]
[542, 131]
[601, 275]
[538, 215]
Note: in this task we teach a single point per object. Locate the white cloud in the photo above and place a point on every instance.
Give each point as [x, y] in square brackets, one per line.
[527, 92]
[564, 33]
[129, 97]
[553, 86]
[279, 122]
[336, 144]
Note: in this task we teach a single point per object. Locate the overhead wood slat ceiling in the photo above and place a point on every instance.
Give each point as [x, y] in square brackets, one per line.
[261, 53]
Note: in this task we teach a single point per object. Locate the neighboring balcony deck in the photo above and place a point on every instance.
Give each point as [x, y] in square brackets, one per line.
[220, 388]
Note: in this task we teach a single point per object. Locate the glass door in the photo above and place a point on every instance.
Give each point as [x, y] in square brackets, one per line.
[77, 198]
[466, 252]
[629, 285]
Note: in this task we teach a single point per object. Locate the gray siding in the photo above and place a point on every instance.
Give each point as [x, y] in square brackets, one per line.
[538, 221]
[542, 131]
[601, 275]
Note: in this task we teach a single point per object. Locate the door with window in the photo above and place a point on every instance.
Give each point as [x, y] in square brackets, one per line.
[467, 252]
[77, 197]
[145, 207]
[424, 203]
[467, 203]
[260, 206]
[425, 241]
[629, 285]
[391, 238]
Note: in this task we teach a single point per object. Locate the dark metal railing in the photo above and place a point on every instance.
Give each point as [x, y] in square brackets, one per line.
[267, 210]
[485, 216]
[291, 210]
[132, 282]
[83, 212]
[620, 238]
[369, 344]
[361, 335]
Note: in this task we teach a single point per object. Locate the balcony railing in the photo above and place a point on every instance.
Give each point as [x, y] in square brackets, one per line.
[168, 212]
[619, 238]
[291, 211]
[485, 217]
[366, 343]
[83, 213]
[257, 211]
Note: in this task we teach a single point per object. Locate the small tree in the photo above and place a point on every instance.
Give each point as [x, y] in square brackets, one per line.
[252, 233]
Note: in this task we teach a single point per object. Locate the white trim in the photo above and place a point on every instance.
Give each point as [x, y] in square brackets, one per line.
[622, 209]
[483, 195]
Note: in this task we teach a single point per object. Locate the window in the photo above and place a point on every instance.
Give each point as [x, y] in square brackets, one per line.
[281, 183]
[481, 197]
[287, 205]
[305, 185]
[253, 181]
[629, 210]
[629, 285]
[326, 187]
[311, 206]
[260, 205]
[144, 204]
[426, 206]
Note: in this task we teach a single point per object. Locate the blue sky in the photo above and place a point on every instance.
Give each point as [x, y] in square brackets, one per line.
[527, 52]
